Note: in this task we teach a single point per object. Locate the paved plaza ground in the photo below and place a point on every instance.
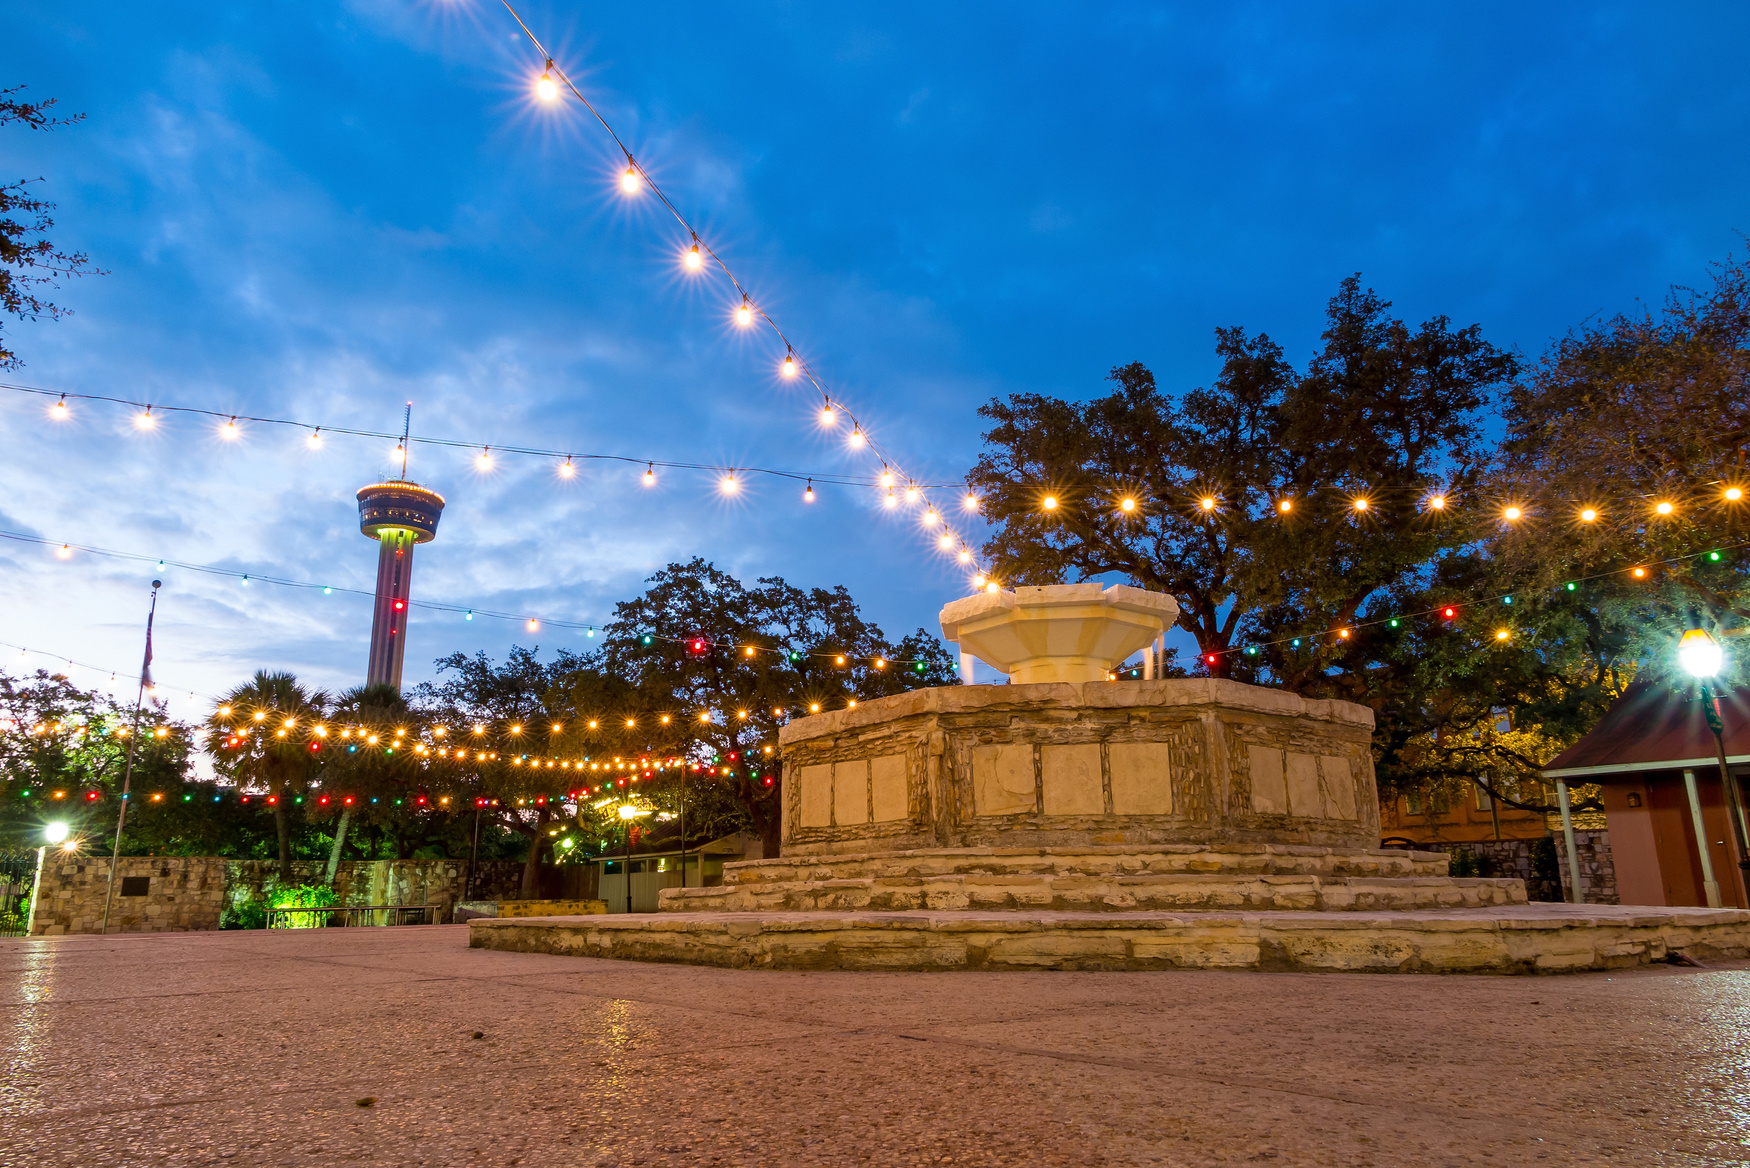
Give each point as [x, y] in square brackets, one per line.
[256, 1048]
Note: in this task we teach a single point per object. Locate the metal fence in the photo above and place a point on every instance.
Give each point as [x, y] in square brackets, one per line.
[17, 874]
[350, 915]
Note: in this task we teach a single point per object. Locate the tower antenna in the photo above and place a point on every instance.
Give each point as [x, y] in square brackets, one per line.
[406, 430]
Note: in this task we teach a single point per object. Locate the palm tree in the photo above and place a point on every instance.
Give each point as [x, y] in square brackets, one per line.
[378, 705]
[255, 737]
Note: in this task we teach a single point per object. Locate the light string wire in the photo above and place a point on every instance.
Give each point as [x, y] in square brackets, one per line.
[562, 456]
[1390, 620]
[704, 642]
[916, 490]
[114, 674]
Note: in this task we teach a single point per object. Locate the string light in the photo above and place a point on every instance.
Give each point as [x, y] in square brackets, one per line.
[1588, 515]
[1437, 503]
[145, 420]
[965, 556]
[729, 483]
[826, 415]
[744, 314]
[856, 439]
[1049, 502]
[892, 501]
[545, 89]
[1361, 504]
[650, 475]
[1285, 506]
[808, 495]
[886, 477]
[970, 503]
[315, 439]
[629, 181]
[1733, 494]
[1664, 508]
[566, 470]
[59, 410]
[789, 368]
[931, 518]
[1207, 503]
[534, 625]
[1127, 504]
[1513, 514]
[66, 552]
[693, 259]
[229, 431]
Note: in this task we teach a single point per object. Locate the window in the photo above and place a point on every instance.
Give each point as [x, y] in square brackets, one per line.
[637, 866]
[662, 864]
[611, 868]
[1484, 802]
[1503, 720]
[1413, 803]
[136, 885]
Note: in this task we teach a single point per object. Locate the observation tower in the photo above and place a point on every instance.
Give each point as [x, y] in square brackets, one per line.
[398, 514]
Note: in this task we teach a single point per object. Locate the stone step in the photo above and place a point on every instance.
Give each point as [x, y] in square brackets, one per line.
[1529, 938]
[1078, 893]
[1127, 860]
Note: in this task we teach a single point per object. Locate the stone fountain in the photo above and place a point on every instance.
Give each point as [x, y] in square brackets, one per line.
[1067, 820]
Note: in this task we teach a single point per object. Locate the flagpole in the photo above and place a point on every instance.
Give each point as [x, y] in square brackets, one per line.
[128, 770]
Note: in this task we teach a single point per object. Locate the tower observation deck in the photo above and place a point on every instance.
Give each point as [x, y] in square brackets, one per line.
[398, 515]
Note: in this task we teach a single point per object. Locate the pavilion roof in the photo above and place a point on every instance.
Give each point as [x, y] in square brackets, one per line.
[1656, 726]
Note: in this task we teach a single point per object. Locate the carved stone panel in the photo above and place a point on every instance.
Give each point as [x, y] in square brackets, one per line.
[1142, 778]
[1002, 779]
[814, 787]
[1071, 779]
[888, 795]
[850, 792]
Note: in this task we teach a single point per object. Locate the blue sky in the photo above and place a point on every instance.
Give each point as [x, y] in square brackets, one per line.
[320, 210]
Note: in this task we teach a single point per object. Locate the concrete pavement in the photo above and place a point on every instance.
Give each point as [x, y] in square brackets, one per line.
[256, 1048]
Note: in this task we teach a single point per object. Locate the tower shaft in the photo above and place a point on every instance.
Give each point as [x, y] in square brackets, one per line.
[389, 614]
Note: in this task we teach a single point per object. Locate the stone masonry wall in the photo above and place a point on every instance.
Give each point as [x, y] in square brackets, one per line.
[192, 892]
[1597, 866]
[1512, 858]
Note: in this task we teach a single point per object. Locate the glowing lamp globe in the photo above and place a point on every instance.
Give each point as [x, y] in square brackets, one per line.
[627, 811]
[1699, 653]
[55, 832]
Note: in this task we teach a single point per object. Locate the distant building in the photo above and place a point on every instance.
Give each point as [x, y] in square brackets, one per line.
[656, 864]
[1654, 758]
[1468, 818]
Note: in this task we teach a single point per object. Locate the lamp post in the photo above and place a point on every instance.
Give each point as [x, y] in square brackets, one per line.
[1702, 657]
[627, 814]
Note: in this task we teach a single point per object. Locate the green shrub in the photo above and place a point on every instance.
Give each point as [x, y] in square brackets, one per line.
[1464, 863]
[303, 896]
[251, 914]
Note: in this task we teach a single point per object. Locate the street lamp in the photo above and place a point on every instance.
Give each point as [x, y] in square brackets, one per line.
[628, 812]
[1702, 656]
[55, 832]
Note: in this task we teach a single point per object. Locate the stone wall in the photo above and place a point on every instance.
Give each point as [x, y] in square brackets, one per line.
[1597, 866]
[1513, 858]
[181, 893]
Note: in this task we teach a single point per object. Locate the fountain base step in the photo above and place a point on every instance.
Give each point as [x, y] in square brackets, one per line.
[1528, 938]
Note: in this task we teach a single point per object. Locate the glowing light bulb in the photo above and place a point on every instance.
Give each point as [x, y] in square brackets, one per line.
[693, 259]
[1733, 494]
[1361, 504]
[650, 475]
[1049, 502]
[1285, 506]
[993, 586]
[978, 580]
[970, 502]
[911, 494]
[887, 478]
[630, 182]
[857, 438]
[705, 717]
[145, 421]
[946, 542]
[66, 552]
[1513, 514]
[1640, 573]
[59, 411]
[744, 314]
[545, 89]
[1664, 508]
[484, 462]
[826, 416]
[892, 500]
[1207, 503]
[729, 486]
[1502, 634]
[1127, 504]
[808, 495]
[534, 624]
[229, 431]
[1437, 502]
[566, 470]
[1588, 515]
[789, 367]
[930, 517]
[965, 556]
[315, 439]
